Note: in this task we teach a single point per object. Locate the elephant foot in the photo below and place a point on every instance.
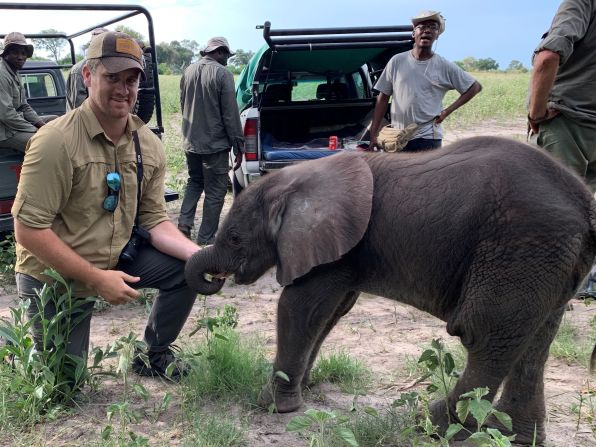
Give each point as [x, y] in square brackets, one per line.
[284, 401]
[527, 430]
[442, 419]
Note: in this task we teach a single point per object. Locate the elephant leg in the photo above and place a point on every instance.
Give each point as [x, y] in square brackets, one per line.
[498, 318]
[343, 309]
[305, 310]
[522, 397]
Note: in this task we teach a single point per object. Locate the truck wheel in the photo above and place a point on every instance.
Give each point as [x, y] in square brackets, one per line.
[146, 97]
[145, 105]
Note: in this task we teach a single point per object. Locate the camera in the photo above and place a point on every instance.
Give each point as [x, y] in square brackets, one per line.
[138, 237]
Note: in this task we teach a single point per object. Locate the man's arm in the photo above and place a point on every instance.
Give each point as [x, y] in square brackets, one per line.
[166, 238]
[9, 116]
[52, 251]
[546, 65]
[378, 114]
[463, 98]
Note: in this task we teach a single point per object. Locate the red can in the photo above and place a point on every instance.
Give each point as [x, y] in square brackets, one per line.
[333, 142]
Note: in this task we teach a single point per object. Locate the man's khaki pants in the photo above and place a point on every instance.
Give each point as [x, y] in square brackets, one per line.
[18, 142]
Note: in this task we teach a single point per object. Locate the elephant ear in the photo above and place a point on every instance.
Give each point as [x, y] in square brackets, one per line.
[320, 211]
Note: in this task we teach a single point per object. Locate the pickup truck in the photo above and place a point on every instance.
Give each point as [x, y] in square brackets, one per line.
[307, 85]
[45, 88]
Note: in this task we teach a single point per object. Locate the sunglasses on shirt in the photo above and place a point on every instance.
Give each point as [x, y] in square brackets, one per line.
[110, 203]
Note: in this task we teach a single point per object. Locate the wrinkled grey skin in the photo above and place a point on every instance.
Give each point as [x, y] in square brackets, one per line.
[489, 235]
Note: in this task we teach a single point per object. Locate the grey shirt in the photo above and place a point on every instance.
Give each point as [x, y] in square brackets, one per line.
[210, 117]
[573, 36]
[76, 91]
[418, 88]
[16, 115]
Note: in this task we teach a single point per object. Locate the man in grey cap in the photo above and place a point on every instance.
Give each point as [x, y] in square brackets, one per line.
[92, 184]
[418, 80]
[210, 127]
[18, 120]
[76, 91]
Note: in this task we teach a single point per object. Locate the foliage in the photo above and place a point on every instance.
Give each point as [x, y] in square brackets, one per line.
[516, 66]
[131, 32]
[224, 365]
[214, 430]
[8, 257]
[351, 375]
[472, 64]
[440, 362]
[571, 345]
[321, 426]
[176, 55]
[53, 46]
[41, 378]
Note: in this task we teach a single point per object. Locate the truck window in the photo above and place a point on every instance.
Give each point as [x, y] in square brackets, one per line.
[38, 85]
[359, 84]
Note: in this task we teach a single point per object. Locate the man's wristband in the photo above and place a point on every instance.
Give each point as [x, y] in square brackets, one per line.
[538, 120]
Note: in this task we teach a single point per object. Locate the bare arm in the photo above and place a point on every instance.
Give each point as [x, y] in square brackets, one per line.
[52, 251]
[546, 65]
[378, 114]
[166, 238]
[463, 98]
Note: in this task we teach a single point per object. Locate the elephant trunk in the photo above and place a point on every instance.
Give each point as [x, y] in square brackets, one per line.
[202, 262]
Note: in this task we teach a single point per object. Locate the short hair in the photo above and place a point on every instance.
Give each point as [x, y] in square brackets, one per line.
[92, 64]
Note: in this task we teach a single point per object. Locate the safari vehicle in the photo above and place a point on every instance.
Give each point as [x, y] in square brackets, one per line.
[46, 89]
[307, 85]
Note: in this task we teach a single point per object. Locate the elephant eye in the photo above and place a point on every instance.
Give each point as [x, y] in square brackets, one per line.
[234, 239]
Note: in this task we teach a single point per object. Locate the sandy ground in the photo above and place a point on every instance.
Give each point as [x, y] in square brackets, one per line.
[381, 333]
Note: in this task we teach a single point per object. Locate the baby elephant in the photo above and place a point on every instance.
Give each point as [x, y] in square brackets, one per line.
[490, 235]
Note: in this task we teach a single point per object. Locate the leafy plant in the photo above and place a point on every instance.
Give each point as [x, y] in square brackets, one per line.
[8, 257]
[440, 362]
[42, 376]
[322, 427]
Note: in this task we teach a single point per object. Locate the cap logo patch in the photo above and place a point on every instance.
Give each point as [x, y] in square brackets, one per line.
[128, 46]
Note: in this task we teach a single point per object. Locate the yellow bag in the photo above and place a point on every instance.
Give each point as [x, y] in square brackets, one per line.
[391, 139]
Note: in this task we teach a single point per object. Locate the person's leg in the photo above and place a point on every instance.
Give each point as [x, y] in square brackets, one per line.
[193, 191]
[556, 136]
[216, 168]
[421, 144]
[78, 339]
[170, 308]
[18, 142]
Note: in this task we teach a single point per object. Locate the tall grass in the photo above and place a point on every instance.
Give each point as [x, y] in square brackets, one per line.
[502, 99]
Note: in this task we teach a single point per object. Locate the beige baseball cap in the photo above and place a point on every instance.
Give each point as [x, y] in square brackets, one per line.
[16, 39]
[214, 43]
[117, 51]
[425, 16]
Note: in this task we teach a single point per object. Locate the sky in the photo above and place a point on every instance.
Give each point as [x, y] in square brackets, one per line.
[503, 30]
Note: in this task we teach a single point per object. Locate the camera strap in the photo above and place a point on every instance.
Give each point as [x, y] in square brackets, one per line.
[139, 159]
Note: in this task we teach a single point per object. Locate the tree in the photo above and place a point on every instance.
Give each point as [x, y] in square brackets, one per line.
[516, 65]
[487, 64]
[241, 58]
[51, 45]
[176, 55]
[131, 32]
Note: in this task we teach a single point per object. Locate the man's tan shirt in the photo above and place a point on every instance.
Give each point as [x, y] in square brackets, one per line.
[63, 186]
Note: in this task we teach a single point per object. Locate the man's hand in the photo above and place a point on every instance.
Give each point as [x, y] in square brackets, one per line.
[374, 143]
[444, 114]
[111, 286]
[534, 122]
[40, 123]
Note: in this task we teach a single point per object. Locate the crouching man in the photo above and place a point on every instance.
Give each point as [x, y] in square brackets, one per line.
[90, 180]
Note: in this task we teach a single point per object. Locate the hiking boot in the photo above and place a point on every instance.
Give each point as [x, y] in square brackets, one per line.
[158, 365]
[184, 229]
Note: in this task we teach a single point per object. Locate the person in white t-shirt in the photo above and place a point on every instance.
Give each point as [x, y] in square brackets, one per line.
[418, 81]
